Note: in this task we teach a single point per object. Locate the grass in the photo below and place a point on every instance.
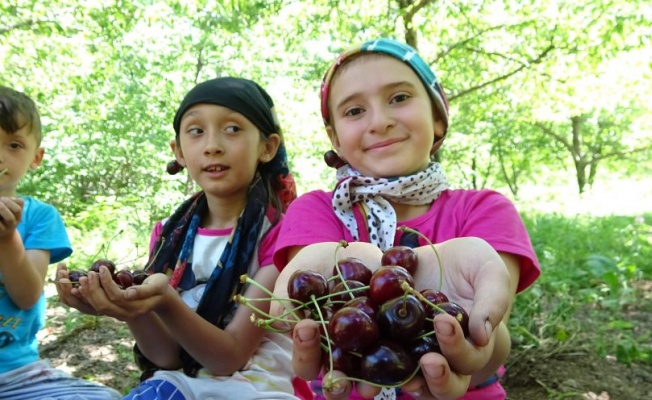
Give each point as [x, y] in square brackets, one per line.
[594, 269]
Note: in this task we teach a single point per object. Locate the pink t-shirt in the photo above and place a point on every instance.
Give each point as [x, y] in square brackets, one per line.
[485, 214]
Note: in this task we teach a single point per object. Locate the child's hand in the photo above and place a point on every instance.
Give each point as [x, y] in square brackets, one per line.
[11, 212]
[105, 296]
[68, 294]
[475, 277]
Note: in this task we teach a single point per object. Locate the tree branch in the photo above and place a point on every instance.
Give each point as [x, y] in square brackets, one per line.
[622, 153]
[524, 65]
[552, 133]
[18, 25]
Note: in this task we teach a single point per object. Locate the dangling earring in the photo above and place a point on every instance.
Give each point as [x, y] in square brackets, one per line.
[174, 167]
[333, 160]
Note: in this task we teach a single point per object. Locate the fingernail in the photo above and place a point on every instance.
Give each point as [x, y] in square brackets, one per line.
[433, 371]
[443, 328]
[306, 334]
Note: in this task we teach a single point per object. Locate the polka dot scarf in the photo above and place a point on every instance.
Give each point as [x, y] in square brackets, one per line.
[376, 193]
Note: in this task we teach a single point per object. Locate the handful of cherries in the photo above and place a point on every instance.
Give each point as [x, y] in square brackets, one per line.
[123, 278]
[375, 326]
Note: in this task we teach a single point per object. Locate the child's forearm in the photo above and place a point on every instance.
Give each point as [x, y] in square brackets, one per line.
[154, 341]
[22, 272]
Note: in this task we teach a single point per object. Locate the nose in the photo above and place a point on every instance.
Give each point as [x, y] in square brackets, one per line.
[213, 143]
[380, 118]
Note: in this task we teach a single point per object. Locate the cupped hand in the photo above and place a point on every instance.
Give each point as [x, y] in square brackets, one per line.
[473, 275]
[107, 298]
[69, 294]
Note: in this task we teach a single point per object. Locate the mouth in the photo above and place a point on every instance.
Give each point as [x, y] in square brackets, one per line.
[384, 143]
[215, 168]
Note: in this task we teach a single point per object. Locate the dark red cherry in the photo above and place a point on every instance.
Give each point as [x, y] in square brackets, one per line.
[402, 256]
[95, 267]
[385, 283]
[365, 304]
[435, 297]
[124, 278]
[386, 363]
[401, 318]
[351, 329]
[459, 313]
[341, 294]
[354, 269]
[303, 285]
[173, 167]
[421, 345]
[74, 276]
[343, 361]
[333, 160]
[139, 277]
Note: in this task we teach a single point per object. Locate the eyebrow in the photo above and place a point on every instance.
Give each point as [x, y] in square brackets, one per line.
[392, 85]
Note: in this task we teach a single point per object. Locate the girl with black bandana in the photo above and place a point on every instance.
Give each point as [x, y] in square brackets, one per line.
[192, 340]
[386, 114]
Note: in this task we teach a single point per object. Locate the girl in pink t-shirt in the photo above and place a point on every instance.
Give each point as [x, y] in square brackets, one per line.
[386, 114]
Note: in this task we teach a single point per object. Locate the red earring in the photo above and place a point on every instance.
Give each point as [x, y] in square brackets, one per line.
[174, 167]
[333, 160]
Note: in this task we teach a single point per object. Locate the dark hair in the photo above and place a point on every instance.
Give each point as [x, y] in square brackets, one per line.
[17, 111]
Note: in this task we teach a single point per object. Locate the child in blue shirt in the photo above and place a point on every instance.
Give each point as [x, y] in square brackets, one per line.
[32, 236]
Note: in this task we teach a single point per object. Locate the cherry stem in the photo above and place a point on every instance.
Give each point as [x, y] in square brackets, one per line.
[341, 244]
[4, 171]
[149, 264]
[247, 302]
[323, 324]
[441, 267]
[328, 385]
[409, 289]
[290, 310]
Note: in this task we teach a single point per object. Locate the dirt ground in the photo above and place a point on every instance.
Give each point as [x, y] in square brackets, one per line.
[99, 349]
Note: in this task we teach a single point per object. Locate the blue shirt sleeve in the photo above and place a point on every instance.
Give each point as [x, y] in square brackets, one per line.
[42, 228]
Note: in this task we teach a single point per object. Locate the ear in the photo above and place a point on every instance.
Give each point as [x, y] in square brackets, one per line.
[440, 134]
[38, 158]
[178, 154]
[270, 147]
[332, 135]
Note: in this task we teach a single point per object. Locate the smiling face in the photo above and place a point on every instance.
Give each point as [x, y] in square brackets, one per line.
[382, 117]
[19, 152]
[221, 150]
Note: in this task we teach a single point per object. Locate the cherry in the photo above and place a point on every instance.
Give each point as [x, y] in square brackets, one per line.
[365, 304]
[401, 318]
[173, 167]
[421, 345]
[139, 277]
[435, 297]
[351, 329]
[74, 276]
[342, 295]
[402, 256]
[385, 283]
[386, 363]
[333, 160]
[354, 269]
[344, 361]
[459, 313]
[95, 267]
[124, 278]
[302, 285]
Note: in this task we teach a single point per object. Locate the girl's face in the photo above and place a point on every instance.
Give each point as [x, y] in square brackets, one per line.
[221, 149]
[18, 153]
[382, 118]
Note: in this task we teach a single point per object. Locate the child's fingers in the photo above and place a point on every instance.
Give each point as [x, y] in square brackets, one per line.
[462, 355]
[437, 380]
[306, 352]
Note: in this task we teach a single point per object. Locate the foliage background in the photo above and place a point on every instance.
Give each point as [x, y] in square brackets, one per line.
[551, 104]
